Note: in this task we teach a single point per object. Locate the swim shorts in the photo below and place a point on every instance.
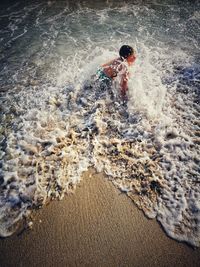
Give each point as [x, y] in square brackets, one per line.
[102, 76]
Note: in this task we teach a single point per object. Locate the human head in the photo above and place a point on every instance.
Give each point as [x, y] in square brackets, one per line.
[127, 53]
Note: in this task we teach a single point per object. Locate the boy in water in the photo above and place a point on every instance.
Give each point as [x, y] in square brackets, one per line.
[118, 68]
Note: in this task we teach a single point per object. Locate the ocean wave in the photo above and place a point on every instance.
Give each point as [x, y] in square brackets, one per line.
[57, 119]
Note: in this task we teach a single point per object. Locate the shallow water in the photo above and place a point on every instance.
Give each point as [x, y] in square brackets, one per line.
[56, 121]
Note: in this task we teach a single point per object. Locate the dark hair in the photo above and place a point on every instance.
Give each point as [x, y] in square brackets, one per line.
[125, 51]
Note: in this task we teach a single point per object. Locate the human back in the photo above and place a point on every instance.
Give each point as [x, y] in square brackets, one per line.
[114, 67]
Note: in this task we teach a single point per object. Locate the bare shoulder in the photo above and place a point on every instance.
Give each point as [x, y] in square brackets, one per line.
[121, 65]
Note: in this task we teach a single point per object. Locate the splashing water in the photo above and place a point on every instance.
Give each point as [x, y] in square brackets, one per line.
[57, 120]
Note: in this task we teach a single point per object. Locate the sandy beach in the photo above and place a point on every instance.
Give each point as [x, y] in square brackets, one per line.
[96, 226]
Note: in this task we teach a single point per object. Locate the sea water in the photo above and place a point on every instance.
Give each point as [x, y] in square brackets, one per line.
[57, 120]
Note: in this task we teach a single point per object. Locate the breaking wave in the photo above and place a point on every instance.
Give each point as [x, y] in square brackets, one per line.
[58, 119]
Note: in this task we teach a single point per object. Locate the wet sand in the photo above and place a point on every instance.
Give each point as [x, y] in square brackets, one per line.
[96, 226]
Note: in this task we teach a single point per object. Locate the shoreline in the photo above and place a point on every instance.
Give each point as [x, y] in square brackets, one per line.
[96, 226]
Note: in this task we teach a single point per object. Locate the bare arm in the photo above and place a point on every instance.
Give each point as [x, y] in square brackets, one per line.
[124, 84]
